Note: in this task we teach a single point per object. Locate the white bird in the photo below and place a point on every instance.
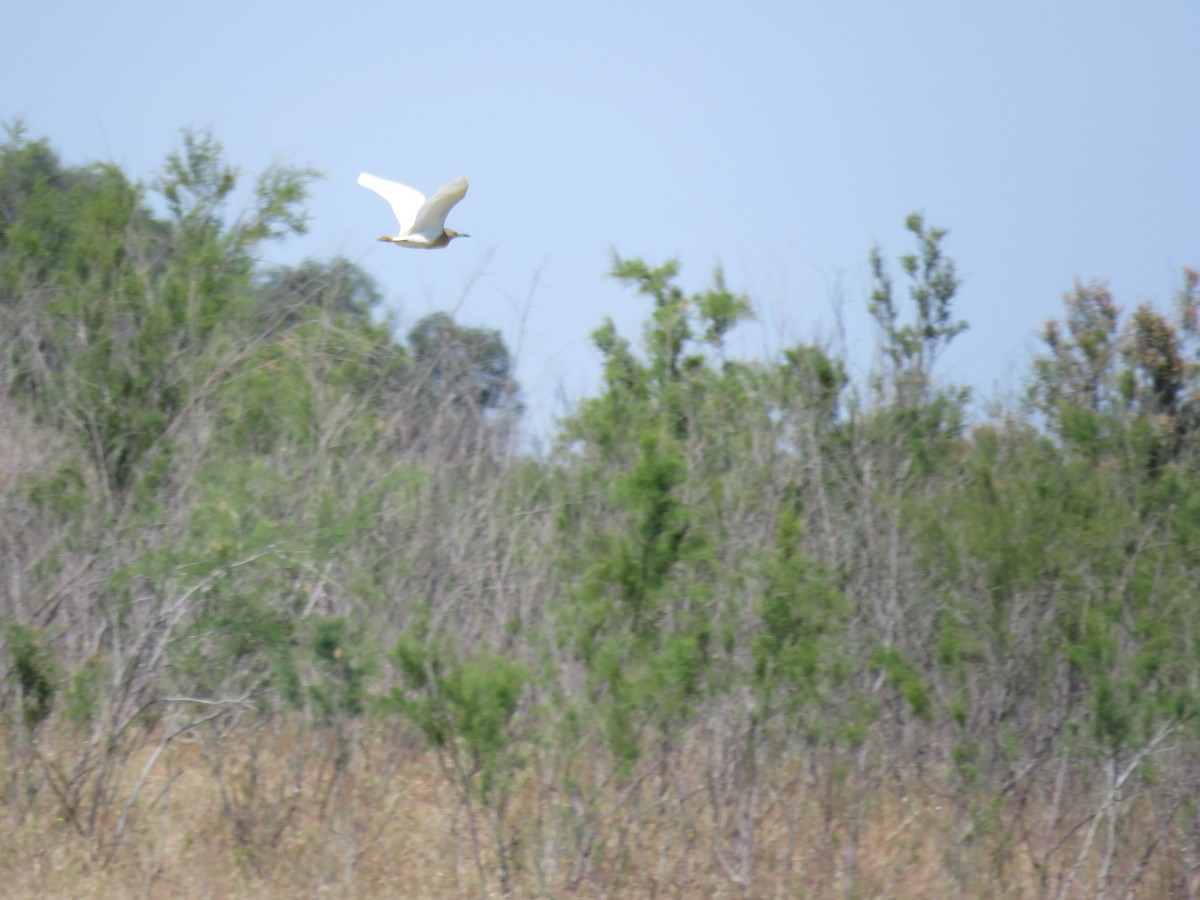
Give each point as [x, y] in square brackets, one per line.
[422, 222]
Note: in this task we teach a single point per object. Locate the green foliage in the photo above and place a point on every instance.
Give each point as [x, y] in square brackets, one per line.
[913, 349]
[1131, 391]
[926, 420]
[795, 653]
[468, 367]
[1078, 371]
[238, 639]
[283, 393]
[36, 220]
[62, 491]
[85, 691]
[468, 706]
[134, 307]
[37, 676]
[338, 288]
[644, 626]
[905, 678]
[814, 378]
[641, 558]
[345, 662]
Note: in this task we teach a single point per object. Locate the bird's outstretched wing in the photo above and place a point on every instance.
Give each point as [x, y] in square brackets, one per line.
[405, 201]
[431, 218]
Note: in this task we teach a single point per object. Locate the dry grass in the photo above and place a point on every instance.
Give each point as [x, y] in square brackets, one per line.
[388, 822]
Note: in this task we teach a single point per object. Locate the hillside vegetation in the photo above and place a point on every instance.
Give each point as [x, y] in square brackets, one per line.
[283, 610]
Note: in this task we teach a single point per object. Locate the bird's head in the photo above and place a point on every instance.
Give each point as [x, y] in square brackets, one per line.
[451, 234]
[388, 238]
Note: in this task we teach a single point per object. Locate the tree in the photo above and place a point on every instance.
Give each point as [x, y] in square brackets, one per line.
[1114, 389]
[338, 287]
[913, 349]
[469, 368]
[134, 308]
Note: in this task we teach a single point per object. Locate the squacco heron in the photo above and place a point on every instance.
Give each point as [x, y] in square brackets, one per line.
[422, 222]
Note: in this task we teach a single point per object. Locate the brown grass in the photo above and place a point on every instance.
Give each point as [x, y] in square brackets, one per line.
[391, 822]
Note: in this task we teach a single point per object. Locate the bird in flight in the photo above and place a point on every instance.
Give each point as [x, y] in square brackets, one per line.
[422, 222]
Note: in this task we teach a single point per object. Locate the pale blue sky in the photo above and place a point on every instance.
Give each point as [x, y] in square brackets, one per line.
[781, 140]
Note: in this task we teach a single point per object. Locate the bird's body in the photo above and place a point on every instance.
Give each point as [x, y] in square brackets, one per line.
[422, 222]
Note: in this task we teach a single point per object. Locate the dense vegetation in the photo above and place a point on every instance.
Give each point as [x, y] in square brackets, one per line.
[273, 580]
